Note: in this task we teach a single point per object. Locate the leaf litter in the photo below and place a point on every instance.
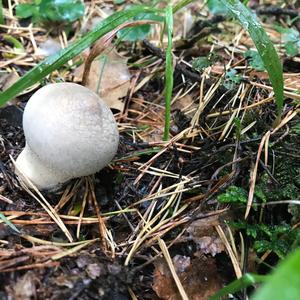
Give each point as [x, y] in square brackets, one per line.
[154, 193]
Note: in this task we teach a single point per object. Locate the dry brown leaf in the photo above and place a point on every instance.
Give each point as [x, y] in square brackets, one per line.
[203, 233]
[109, 77]
[199, 277]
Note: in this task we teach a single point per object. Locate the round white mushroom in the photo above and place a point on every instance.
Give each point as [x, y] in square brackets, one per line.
[69, 131]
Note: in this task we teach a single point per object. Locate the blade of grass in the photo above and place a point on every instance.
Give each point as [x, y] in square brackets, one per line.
[168, 71]
[238, 285]
[284, 282]
[263, 45]
[1, 13]
[57, 60]
[181, 4]
[8, 223]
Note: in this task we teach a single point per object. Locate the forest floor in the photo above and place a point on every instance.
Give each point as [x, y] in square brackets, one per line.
[165, 218]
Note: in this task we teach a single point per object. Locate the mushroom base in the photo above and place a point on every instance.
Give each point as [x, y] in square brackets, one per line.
[29, 166]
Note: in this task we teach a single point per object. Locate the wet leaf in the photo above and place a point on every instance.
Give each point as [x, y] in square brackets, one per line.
[109, 77]
[199, 277]
[203, 233]
[264, 46]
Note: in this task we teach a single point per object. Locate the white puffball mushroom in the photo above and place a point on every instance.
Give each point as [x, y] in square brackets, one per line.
[69, 131]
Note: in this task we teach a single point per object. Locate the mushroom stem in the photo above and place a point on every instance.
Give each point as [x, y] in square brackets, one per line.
[29, 166]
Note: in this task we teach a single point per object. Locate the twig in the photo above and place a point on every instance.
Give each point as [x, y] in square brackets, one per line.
[277, 11]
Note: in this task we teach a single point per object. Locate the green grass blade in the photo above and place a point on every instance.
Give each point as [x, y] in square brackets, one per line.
[181, 4]
[284, 282]
[263, 45]
[168, 71]
[57, 60]
[1, 13]
[8, 223]
[238, 285]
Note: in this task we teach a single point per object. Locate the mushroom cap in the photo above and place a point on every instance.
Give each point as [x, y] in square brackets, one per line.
[69, 130]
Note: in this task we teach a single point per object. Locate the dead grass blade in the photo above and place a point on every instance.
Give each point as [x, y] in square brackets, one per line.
[168, 258]
[231, 254]
[43, 202]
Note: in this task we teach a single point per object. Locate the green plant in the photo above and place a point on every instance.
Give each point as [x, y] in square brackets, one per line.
[8, 223]
[282, 284]
[291, 40]
[238, 195]
[57, 60]
[1, 13]
[232, 78]
[203, 62]
[233, 194]
[41, 11]
[276, 238]
[246, 17]
[254, 60]
[168, 71]
[263, 45]
[139, 32]
[217, 7]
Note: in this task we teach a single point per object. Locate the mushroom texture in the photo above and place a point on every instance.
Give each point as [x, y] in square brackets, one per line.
[69, 131]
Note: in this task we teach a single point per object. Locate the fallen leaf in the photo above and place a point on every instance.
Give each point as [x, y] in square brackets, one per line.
[109, 77]
[203, 233]
[199, 277]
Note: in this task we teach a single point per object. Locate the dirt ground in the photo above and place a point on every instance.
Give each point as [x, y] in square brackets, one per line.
[156, 208]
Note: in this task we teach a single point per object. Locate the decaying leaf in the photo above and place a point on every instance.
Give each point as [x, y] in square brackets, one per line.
[199, 277]
[109, 77]
[203, 233]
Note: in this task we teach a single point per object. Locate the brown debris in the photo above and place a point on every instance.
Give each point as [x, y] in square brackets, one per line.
[199, 277]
